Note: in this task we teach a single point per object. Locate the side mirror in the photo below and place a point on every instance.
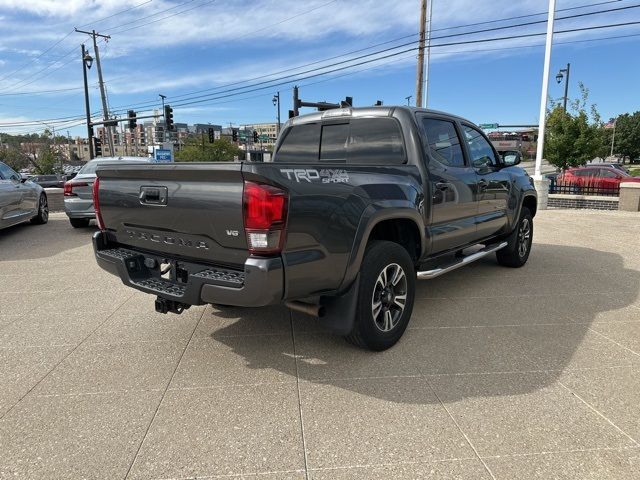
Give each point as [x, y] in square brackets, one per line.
[23, 179]
[511, 158]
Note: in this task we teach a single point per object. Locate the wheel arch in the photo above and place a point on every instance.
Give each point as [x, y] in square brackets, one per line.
[402, 225]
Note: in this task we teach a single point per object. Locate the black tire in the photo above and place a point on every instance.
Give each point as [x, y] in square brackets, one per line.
[516, 253]
[382, 260]
[79, 222]
[42, 216]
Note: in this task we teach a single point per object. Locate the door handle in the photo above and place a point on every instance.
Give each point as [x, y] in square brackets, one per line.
[442, 185]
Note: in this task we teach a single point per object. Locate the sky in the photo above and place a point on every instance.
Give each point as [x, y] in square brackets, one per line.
[221, 61]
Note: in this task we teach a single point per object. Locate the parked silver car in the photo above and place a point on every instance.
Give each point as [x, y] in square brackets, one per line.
[20, 199]
[78, 194]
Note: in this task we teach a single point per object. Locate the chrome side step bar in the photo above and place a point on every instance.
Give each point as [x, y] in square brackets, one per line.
[436, 272]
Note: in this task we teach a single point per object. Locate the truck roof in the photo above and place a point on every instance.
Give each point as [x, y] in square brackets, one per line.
[355, 112]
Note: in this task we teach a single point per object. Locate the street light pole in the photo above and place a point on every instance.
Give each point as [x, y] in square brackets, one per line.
[85, 60]
[559, 78]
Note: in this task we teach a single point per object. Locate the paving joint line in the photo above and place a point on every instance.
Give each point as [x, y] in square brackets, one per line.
[64, 358]
[229, 475]
[295, 357]
[614, 342]
[466, 437]
[162, 397]
[594, 409]
[562, 452]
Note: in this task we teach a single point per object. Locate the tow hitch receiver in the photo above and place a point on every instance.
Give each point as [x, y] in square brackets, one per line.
[165, 306]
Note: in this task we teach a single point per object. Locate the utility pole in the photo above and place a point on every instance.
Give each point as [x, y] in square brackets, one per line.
[105, 109]
[408, 99]
[542, 184]
[420, 74]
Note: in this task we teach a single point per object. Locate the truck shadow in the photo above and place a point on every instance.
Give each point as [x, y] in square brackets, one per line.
[482, 319]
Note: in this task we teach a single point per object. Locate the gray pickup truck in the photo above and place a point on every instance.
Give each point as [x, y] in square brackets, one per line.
[357, 204]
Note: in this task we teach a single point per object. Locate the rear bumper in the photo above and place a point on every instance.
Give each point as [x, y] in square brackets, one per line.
[76, 207]
[259, 284]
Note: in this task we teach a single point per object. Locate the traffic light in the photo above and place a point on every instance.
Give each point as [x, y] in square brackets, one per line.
[212, 136]
[168, 117]
[234, 134]
[98, 147]
[133, 121]
[255, 136]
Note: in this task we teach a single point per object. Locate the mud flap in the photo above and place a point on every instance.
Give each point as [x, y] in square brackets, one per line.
[340, 311]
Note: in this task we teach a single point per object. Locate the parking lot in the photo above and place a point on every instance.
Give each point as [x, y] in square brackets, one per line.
[504, 374]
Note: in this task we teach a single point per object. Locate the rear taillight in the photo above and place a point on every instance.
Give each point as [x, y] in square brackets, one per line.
[68, 187]
[96, 203]
[265, 217]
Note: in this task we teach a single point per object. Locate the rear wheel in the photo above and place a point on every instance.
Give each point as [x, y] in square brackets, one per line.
[517, 251]
[385, 296]
[42, 216]
[79, 222]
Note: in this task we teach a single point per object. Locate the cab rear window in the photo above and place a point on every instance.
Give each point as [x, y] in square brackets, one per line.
[360, 141]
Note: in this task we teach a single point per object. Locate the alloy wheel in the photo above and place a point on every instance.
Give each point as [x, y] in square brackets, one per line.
[389, 297]
[524, 237]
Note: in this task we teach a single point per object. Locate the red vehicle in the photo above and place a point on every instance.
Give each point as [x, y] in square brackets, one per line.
[594, 179]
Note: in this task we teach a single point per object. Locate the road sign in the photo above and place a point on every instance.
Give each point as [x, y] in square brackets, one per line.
[216, 134]
[486, 126]
[162, 155]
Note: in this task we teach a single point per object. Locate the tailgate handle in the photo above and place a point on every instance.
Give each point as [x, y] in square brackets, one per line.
[153, 196]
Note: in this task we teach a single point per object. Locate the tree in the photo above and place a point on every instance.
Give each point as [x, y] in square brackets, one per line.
[573, 139]
[14, 158]
[219, 151]
[627, 141]
[46, 163]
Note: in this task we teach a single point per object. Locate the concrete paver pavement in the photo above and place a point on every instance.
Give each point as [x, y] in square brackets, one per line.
[529, 373]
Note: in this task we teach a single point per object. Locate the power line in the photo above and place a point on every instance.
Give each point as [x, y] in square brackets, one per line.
[214, 89]
[153, 102]
[44, 92]
[284, 20]
[371, 61]
[156, 14]
[115, 14]
[402, 52]
[67, 36]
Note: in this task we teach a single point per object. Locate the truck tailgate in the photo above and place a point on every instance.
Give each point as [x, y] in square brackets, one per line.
[188, 210]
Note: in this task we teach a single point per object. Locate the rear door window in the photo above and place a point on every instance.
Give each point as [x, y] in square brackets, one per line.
[361, 141]
[444, 144]
[375, 141]
[301, 144]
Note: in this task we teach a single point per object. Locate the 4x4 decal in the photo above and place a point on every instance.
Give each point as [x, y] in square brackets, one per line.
[312, 175]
